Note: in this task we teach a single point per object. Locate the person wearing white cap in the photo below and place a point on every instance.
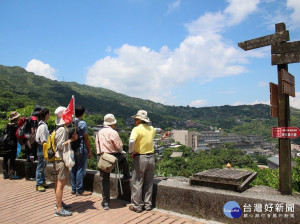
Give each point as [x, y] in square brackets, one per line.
[59, 111]
[108, 141]
[142, 151]
[63, 143]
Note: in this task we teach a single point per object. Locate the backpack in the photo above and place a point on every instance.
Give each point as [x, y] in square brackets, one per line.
[49, 148]
[21, 130]
[73, 127]
[8, 140]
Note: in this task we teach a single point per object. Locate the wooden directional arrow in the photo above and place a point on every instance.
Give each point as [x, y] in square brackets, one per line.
[274, 103]
[288, 89]
[265, 40]
[287, 77]
[287, 58]
[289, 47]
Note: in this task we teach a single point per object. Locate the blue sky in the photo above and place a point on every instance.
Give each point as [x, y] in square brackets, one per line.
[176, 52]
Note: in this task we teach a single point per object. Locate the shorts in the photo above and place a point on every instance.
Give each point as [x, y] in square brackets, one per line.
[62, 171]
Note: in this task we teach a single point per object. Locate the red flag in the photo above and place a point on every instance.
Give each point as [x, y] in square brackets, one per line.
[69, 112]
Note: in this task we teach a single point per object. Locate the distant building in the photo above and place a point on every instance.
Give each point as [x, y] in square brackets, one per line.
[209, 137]
[186, 137]
[176, 154]
[212, 139]
[295, 150]
[159, 150]
[97, 128]
[273, 162]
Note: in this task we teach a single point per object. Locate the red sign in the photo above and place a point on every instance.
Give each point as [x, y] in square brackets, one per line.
[285, 132]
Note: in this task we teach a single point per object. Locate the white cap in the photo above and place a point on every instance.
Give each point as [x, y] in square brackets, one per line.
[109, 119]
[59, 111]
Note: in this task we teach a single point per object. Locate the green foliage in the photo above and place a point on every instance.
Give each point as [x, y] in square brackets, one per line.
[92, 163]
[93, 120]
[296, 175]
[191, 162]
[267, 177]
[124, 135]
[261, 160]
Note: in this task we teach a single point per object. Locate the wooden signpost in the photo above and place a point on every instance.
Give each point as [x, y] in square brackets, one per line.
[283, 53]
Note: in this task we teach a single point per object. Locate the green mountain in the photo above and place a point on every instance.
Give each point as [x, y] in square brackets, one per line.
[20, 88]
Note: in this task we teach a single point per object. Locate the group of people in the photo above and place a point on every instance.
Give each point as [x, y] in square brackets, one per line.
[107, 140]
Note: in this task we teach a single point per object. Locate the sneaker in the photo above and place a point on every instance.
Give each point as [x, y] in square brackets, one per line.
[30, 179]
[73, 192]
[63, 212]
[40, 188]
[132, 208]
[65, 206]
[105, 206]
[14, 177]
[84, 193]
[45, 185]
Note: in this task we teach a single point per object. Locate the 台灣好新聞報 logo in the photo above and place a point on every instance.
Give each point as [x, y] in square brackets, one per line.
[232, 210]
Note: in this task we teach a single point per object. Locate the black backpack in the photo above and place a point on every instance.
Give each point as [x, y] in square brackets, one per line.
[8, 141]
[73, 127]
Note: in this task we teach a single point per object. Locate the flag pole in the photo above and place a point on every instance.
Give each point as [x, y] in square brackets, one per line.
[74, 112]
[74, 104]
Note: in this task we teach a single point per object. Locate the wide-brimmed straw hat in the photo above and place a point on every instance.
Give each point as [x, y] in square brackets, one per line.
[59, 121]
[109, 119]
[14, 115]
[142, 115]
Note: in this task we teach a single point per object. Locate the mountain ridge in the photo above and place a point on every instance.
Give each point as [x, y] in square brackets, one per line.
[21, 88]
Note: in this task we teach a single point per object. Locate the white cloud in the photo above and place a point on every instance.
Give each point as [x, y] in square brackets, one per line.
[252, 103]
[40, 68]
[295, 101]
[203, 55]
[174, 5]
[295, 6]
[229, 91]
[198, 103]
[215, 22]
[238, 10]
[262, 84]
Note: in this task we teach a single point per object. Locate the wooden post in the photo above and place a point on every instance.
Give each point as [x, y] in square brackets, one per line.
[285, 168]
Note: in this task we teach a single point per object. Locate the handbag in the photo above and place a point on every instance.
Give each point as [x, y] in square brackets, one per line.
[68, 157]
[106, 162]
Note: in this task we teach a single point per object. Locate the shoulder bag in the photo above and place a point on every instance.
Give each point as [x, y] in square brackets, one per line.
[106, 162]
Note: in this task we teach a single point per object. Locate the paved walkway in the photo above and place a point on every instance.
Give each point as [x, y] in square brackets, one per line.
[21, 203]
